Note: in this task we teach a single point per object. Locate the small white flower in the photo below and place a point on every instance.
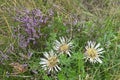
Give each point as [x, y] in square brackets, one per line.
[93, 52]
[63, 46]
[50, 62]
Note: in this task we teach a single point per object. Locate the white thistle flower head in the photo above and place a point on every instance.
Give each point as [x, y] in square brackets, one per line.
[63, 46]
[93, 52]
[50, 62]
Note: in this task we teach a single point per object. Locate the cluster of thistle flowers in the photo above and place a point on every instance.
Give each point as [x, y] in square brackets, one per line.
[64, 46]
[31, 22]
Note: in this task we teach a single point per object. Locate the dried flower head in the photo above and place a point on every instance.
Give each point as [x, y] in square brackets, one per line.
[18, 68]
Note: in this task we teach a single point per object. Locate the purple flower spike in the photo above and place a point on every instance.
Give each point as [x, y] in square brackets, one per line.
[31, 22]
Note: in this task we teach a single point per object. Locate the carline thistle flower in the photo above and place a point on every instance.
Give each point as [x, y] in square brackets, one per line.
[93, 52]
[50, 62]
[63, 46]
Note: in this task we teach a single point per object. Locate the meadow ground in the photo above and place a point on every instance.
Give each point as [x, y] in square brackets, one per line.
[59, 39]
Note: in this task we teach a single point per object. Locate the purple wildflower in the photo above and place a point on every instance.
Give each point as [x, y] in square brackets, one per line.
[27, 56]
[22, 42]
[31, 22]
[3, 57]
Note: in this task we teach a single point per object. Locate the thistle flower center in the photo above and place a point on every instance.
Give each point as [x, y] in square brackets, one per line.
[52, 61]
[92, 52]
[64, 47]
